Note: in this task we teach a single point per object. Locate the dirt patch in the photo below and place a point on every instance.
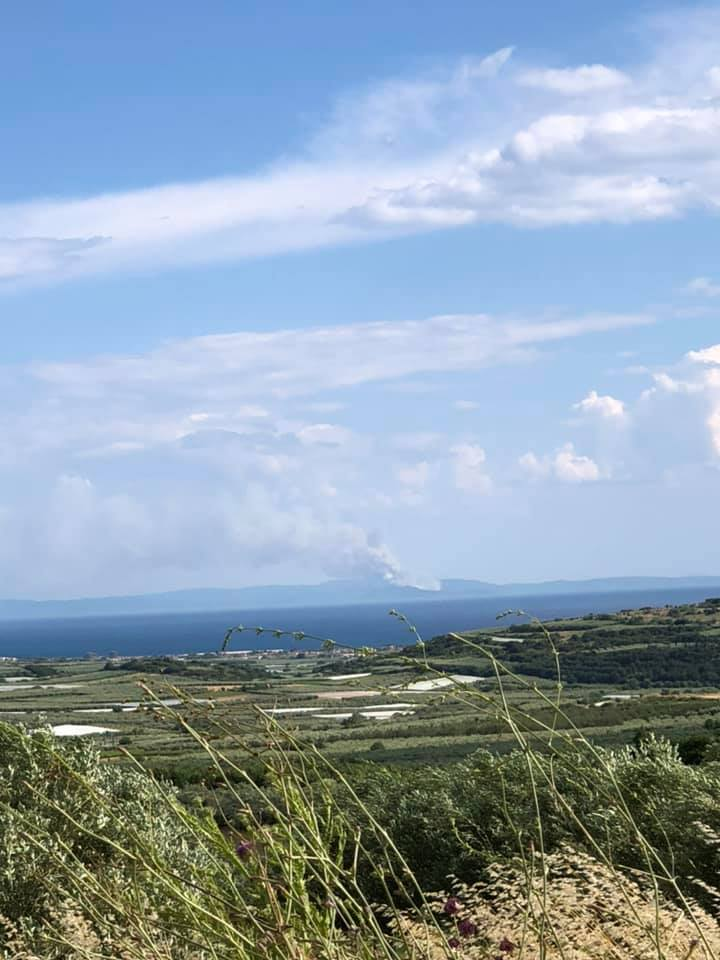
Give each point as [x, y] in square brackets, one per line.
[697, 696]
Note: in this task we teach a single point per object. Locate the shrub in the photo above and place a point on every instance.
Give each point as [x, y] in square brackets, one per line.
[64, 812]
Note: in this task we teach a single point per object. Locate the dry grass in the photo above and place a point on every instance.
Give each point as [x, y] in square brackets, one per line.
[70, 934]
[566, 906]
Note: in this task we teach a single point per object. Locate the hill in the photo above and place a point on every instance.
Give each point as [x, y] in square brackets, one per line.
[335, 593]
[667, 646]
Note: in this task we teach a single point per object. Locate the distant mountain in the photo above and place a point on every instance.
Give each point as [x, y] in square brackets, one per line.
[336, 593]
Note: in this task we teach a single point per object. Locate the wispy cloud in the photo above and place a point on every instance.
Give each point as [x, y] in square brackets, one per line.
[575, 80]
[311, 360]
[704, 287]
[491, 139]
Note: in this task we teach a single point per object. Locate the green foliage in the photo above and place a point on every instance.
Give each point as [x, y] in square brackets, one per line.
[63, 809]
[458, 820]
[41, 670]
[202, 669]
[103, 861]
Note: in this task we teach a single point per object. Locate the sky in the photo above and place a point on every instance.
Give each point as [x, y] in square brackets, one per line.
[291, 292]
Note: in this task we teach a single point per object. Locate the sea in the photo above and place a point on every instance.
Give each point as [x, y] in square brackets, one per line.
[355, 625]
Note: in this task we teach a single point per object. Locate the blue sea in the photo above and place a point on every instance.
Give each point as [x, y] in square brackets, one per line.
[357, 625]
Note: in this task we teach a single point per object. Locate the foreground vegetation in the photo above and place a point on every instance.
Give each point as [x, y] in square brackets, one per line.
[550, 837]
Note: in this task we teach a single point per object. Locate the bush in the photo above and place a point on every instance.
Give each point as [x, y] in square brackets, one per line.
[460, 819]
[64, 812]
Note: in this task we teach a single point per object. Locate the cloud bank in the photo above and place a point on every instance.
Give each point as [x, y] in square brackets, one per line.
[210, 457]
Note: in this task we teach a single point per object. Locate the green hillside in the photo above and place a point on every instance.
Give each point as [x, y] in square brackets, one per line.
[666, 647]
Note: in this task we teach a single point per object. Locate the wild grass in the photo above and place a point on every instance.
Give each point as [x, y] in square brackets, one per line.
[587, 853]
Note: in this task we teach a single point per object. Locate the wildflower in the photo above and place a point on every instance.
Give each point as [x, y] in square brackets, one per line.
[244, 849]
[507, 946]
[451, 906]
[466, 928]
[453, 943]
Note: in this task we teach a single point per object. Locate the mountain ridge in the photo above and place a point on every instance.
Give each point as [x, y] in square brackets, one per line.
[331, 593]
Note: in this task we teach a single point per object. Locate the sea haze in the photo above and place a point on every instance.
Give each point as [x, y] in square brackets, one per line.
[354, 624]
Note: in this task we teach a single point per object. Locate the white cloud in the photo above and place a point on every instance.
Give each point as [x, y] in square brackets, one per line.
[673, 424]
[23, 256]
[481, 141]
[713, 77]
[707, 385]
[573, 468]
[637, 150]
[605, 407]
[669, 428]
[466, 405]
[710, 355]
[151, 471]
[535, 466]
[324, 434]
[713, 423]
[703, 286]
[201, 460]
[469, 468]
[307, 361]
[575, 80]
[619, 166]
[565, 465]
[664, 382]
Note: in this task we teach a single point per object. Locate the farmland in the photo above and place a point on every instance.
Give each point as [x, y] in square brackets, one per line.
[623, 676]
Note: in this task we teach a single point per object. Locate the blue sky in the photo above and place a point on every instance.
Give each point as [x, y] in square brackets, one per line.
[302, 291]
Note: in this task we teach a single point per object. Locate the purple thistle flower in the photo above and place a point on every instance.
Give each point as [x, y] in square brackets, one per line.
[451, 906]
[466, 928]
[453, 943]
[244, 849]
[507, 946]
